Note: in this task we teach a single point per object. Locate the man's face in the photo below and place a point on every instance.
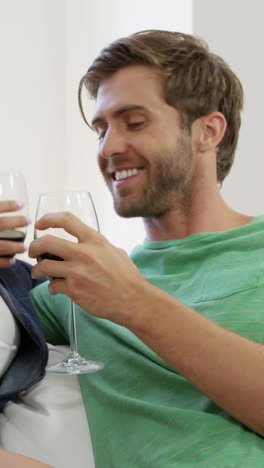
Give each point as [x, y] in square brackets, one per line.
[144, 154]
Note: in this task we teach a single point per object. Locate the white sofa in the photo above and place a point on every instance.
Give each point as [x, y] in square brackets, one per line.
[48, 422]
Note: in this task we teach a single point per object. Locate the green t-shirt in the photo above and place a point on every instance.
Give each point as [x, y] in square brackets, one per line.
[142, 413]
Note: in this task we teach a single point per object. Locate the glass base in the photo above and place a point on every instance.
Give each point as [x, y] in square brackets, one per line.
[75, 364]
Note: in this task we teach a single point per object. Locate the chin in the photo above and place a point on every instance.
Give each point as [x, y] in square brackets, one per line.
[138, 211]
[127, 213]
[128, 210]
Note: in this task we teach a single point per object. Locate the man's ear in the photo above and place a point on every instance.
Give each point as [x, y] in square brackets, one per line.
[209, 130]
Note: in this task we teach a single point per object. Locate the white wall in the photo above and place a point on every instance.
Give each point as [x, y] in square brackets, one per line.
[32, 93]
[234, 30]
[91, 26]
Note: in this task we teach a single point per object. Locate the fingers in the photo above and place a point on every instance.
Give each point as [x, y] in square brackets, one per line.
[53, 245]
[13, 222]
[10, 205]
[6, 262]
[7, 251]
[51, 268]
[11, 248]
[57, 271]
[67, 221]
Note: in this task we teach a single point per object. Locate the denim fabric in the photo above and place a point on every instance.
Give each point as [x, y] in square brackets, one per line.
[28, 367]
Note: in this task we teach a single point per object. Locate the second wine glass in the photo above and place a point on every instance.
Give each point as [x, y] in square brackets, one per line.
[13, 187]
[79, 203]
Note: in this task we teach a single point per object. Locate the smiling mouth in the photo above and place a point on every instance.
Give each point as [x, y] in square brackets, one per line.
[126, 173]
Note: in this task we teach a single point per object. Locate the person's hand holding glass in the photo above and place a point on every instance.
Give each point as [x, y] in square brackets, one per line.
[13, 216]
[81, 205]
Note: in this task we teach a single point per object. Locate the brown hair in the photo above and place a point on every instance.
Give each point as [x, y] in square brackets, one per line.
[196, 82]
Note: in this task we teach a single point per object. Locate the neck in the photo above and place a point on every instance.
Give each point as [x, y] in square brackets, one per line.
[204, 212]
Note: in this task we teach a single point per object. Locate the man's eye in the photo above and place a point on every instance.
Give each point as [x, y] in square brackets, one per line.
[135, 124]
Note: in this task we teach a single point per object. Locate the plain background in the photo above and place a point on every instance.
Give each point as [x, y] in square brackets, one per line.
[45, 48]
[234, 30]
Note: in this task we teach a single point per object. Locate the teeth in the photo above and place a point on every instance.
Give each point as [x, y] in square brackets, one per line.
[120, 175]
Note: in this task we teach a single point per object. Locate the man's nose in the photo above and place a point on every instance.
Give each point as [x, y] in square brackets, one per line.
[113, 143]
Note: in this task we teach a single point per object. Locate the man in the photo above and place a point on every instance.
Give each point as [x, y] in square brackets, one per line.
[182, 328]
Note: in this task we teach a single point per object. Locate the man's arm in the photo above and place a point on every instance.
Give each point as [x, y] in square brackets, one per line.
[225, 366]
[101, 279]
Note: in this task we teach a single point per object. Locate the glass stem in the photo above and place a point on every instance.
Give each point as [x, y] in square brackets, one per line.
[73, 335]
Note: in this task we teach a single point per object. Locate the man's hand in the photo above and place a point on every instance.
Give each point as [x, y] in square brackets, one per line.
[97, 276]
[7, 223]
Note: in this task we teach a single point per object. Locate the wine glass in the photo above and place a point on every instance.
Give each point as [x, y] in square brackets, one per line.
[79, 203]
[13, 187]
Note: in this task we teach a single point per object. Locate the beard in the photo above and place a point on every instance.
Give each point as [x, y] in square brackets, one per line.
[168, 185]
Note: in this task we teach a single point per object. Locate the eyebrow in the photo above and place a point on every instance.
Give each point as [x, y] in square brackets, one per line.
[131, 107]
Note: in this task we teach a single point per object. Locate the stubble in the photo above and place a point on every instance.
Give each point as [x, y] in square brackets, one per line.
[169, 183]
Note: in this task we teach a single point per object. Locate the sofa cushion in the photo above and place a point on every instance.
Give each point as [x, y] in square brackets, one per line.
[49, 422]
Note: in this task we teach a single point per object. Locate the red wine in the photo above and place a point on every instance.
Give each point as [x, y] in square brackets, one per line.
[12, 235]
[49, 256]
